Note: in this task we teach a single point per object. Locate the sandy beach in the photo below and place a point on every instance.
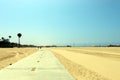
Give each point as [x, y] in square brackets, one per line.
[83, 63]
[90, 63]
[8, 56]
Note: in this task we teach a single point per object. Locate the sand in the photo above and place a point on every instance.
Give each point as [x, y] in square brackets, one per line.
[90, 63]
[83, 63]
[8, 56]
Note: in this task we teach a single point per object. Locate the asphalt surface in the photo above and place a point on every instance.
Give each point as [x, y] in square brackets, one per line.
[42, 65]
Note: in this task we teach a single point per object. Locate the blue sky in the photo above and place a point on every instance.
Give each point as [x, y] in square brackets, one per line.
[61, 22]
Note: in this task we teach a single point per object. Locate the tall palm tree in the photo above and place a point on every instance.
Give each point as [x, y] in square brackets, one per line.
[9, 37]
[19, 36]
[2, 38]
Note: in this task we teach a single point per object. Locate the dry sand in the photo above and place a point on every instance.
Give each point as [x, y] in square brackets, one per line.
[90, 63]
[84, 63]
[8, 56]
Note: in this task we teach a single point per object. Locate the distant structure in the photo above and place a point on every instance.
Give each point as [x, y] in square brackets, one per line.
[68, 46]
[113, 45]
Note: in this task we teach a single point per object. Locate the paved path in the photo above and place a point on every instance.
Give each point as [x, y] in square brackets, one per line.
[38, 66]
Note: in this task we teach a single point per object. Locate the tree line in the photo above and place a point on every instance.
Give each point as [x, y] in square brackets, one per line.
[6, 43]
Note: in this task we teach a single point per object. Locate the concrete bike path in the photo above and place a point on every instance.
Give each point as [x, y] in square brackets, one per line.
[41, 65]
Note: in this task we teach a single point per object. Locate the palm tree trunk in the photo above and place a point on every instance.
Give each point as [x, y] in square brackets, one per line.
[19, 42]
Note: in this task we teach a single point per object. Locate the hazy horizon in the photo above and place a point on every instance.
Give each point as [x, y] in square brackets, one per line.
[59, 22]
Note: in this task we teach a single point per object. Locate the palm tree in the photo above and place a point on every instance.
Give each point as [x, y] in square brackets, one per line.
[19, 36]
[2, 38]
[9, 37]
